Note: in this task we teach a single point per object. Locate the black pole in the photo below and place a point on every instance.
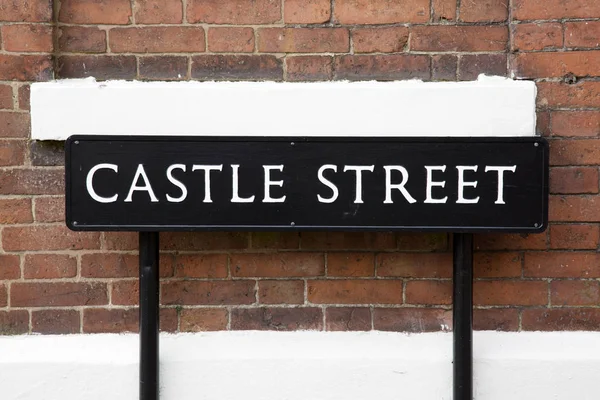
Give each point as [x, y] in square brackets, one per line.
[149, 322]
[462, 314]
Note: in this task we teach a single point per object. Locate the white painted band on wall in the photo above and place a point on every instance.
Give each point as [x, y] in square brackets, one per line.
[301, 366]
[487, 107]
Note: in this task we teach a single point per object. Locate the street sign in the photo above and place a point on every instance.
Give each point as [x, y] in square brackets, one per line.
[163, 183]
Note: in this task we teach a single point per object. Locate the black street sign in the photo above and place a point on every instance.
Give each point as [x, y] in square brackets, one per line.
[141, 183]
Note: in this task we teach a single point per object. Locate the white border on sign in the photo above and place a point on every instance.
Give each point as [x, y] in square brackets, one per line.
[490, 106]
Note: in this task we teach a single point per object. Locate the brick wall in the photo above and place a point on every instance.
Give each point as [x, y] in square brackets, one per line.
[56, 281]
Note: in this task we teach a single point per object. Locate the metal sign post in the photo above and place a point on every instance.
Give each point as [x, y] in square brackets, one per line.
[462, 316]
[149, 315]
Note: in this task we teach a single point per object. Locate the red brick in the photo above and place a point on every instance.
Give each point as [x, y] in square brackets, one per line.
[31, 181]
[26, 11]
[470, 66]
[281, 292]
[15, 322]
[100, 67]
[208, 292]
[3, 296]
[55, 322]
[23, 97]
[80, 39]
[573, 180]
[562, 319]
[443, 10]
[309, 68]
[6, 97]
[582, 34]
[559, 94]
[429, 292]
[228, 39]
[49, 266]
[201, 266]
[514, 241]
[307, 11]
[496, 319]
[355, 291]
[555, 65]
[497, 265]
[49, 209]
[422, 241]
[27, 38]
[14, 124]
[278, 265]
[348, 319]
[303, 40]
[125, 292]
[348, 240]
[9, 267]
[185, 241]
[276, 240]
[575, 293]
[234, 12]
[575, 123]
[54, 237]
[12, 152]
[277, 319]
[537, 36]
[381, 11]
[203, 319]
[25, 68]
[458, 38]
[575, 152]
[380, 40]
[351, 264]
[57, 294]
[109, 265]
[542, 122]
[444, 67]
[414, 320]
[100, 320]
[121, 240]
[113, 12]
[484, 11]
[170, 39]
[46, 153]
[555, 9]
[507, 293]
[574, 208]
[237, 67]
[574, 236]
[562, 265]
[415, 265]
[158, 11]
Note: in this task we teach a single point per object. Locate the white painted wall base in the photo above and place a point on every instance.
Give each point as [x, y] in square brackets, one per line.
[490, 106]
[301, 366]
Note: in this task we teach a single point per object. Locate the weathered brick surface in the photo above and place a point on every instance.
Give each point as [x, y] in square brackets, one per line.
[79, 39]
[307, 11]
[380, 40]
[381, 11]
[95, 12]
[27, 38]
[52, 278]
[303, 40]
[234, 40]
[234, 12]
[537, 36]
